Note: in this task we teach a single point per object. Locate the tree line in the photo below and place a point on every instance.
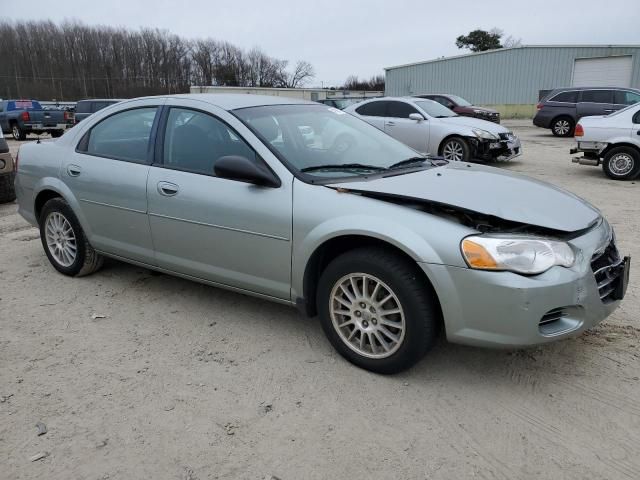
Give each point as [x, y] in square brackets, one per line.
[71, 61]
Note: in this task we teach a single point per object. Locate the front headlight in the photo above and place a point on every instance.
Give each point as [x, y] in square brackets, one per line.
[519, 254]
[484, 134]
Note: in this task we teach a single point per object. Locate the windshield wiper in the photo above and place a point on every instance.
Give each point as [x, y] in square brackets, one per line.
[408, 161]
[344, 166]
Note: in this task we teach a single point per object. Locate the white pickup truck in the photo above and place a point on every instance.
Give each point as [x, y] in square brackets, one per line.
[613, 140]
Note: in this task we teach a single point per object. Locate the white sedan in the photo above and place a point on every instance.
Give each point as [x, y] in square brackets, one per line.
[613, 140]
[431, 128]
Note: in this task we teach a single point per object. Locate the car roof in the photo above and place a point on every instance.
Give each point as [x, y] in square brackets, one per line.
[102, 100]
[563, 89]
[233, 101]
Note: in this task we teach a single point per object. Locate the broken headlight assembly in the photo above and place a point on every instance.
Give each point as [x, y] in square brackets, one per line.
[520, 254]
[484, 135]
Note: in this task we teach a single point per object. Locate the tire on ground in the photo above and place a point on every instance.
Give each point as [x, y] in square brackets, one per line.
[563, 126]
[416, 298]
[621, 163]
[7, 190]
[463, 146]
[87, 260]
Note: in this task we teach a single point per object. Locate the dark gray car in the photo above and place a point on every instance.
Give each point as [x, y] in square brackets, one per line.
[84, 108]
[561, 109]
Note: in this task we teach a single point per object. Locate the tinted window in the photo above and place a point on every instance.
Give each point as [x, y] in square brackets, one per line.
[195, 140]
[123, 136]
[597, 96]
[567, 97]
[400, 110]
[626, 98]
[373, 109]
[83, 107]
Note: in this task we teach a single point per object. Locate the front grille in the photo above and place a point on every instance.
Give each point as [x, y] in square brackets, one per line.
[606, 268]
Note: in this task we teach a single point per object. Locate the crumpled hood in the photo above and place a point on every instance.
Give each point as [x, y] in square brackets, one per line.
[489, 191]
[475, 123]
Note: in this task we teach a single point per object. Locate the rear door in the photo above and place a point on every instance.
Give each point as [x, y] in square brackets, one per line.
[410, 132]
[595, 102]
[374, 113]
[108, 172]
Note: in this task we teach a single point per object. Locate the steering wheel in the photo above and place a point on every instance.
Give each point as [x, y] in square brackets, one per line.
[342, 144]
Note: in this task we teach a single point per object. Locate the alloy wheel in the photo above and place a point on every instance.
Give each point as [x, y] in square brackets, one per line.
[562, 127]
[367, 315]
[61, 239]
[453, 151]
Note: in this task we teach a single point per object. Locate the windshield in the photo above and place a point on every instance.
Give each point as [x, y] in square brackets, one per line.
[460, 101]
[435, 109]
[325, 141]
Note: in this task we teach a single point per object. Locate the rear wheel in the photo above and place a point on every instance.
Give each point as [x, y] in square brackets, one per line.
[64, 240]
[563, 127]
[621, 163]
[456, 149]
[18, 133]
[377, 310]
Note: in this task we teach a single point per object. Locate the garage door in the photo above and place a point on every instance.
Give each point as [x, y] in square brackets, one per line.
[602, 72]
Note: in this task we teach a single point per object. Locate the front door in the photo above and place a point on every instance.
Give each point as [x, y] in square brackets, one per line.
[411, 132]
[107, 174]
[221, 230]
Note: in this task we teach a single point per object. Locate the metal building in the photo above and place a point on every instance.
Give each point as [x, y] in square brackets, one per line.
[511, 79]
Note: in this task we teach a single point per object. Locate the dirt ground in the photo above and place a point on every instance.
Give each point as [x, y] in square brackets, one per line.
[184, 381]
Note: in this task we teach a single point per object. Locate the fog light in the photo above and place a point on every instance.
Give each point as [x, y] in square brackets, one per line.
[2, 164]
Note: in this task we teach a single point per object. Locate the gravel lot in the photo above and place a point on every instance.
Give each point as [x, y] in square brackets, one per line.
[184, 381]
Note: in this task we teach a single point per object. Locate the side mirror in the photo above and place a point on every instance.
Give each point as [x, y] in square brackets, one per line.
[416, 116]
[236, 167]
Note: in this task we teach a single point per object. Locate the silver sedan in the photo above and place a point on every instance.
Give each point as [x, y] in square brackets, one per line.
[431, 128]
[306, 205]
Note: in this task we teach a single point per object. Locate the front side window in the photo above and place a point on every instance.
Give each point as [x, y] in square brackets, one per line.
[460, 101]
[123, 136]
[566, 97]
[435, 109]
[597, 96]
[373, 109]
[194, 140]
[324, 142]
[400, 110]
[623, 97]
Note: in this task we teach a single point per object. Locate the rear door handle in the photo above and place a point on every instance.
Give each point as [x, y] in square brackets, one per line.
[391, 124]
[74, 170]
[609, 109]
[168, 189]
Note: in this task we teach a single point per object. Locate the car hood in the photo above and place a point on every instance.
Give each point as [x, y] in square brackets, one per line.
[489, 191]
[475, 123]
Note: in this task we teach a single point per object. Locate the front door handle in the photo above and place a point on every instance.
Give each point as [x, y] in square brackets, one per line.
[74, 170]
[609, 109]
[391, 124]
[168, 189]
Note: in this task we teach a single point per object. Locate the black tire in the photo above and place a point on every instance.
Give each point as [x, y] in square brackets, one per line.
[87, 260]
[416, 299]
[563, 126]
[621, 163]
[456, 144]
[18, 133]
[56, 133]
[7, 190]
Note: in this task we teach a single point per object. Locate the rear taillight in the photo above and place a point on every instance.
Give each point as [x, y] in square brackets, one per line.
[579, 132]
[68, 116]
[25, 116]
[539, 106]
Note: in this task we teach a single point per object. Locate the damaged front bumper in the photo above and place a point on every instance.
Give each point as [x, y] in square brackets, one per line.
[507, 147]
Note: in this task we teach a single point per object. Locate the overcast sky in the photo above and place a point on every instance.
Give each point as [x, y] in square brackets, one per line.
[354, 37]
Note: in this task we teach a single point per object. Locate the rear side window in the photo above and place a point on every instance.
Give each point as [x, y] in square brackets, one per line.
[400, 110]
[444, 101]
[565, 97]
[622, 97]
[597, 96]
[123, 136]
[83, 107]
[99, 106]
[373, 109]
[195, 140]
[23, 105]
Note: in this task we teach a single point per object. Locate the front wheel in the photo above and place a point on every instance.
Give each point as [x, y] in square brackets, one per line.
[456, 149]
[621, 163]
[377, 310]
[64, 241]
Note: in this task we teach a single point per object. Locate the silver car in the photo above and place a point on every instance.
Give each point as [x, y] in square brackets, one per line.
[306, 205]
[431, 128]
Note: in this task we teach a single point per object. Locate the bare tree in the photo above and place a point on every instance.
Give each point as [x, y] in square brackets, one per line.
[302, 73]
